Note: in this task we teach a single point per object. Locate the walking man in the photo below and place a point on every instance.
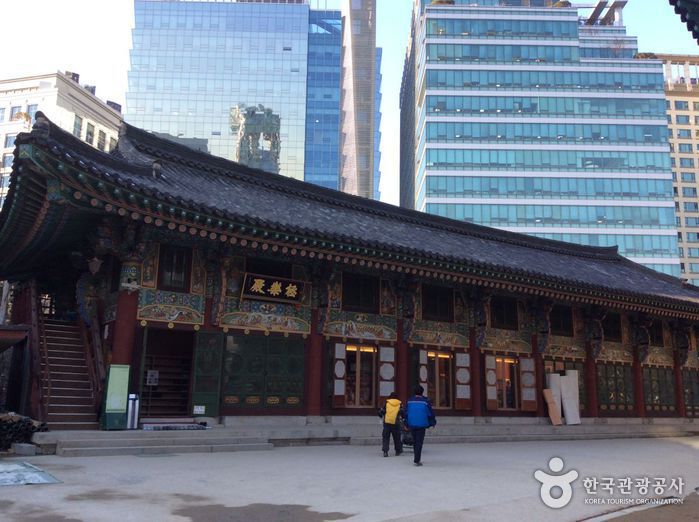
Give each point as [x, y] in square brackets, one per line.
[419, 416]
[391, 414]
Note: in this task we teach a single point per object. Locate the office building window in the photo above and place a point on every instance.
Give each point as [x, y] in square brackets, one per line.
[681, 105]
[686, 162]
[684, 134]
[689, 192]
[77, 126]
[685, 147]
[14, 111]
[691, 206]
[90, 133]
[10, 140]
[101, 140]
[2, 114]
[112, 144]
[31, 110]
[7, 160]
[682, 119]
[688, 176]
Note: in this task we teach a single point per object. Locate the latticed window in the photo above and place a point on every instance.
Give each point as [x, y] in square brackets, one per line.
[659, 389]
[174, 268]
[615, 387]
[690, 379]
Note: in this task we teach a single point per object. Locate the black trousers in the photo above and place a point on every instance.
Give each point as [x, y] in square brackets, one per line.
[418, 439]
[394, 430]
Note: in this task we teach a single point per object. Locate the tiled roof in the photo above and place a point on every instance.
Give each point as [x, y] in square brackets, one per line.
[689, 12]
[225, 189]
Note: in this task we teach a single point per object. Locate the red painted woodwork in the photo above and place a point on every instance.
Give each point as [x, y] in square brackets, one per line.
[591, 383]
[679, 390]
[476, 375]
[539, 374]
[638, 396]
[125, 327]
[402, 365]
[314, 375]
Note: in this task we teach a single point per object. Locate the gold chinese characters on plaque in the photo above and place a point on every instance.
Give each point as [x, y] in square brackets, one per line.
[268, 288]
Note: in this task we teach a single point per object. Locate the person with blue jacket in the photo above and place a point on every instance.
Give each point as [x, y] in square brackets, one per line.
[418, 417]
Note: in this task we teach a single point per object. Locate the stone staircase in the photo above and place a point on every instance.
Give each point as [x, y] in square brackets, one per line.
[136, 442]
[262, 433]
[70, 397]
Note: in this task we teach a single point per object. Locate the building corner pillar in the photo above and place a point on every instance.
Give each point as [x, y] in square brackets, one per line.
[476, 375]
[402, 362]
[539, 374]
[679, 388]
[314, 365]
[591, 382]
[638, 396]
[126, 313]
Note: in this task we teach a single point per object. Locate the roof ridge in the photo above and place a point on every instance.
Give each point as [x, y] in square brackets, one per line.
[151, 144]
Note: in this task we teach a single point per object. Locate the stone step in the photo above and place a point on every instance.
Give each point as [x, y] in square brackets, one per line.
[435, 439]
[69, 392]
[66, 359]
[58, 367]
[55, 425]
[71, 417]
[69, 383]
[127, 440]
[69, 376]
[70, 408]
[75, 350]
[160, 450]
[61, 400]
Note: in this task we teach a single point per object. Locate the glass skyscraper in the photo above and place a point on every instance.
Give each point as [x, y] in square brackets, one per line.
[536, 118]
[323, 98]
[241, 80]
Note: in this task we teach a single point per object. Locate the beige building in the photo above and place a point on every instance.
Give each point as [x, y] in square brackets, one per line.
[60, 96]
[682, 93]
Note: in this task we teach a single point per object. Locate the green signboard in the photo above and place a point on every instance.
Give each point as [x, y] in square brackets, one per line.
[116, 398]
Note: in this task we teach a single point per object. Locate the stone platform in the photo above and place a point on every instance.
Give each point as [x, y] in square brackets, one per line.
[262, 433]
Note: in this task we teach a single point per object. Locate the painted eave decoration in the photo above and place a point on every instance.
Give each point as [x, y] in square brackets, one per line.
[58, 181]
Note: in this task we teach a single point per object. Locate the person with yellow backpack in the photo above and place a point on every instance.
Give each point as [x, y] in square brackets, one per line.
[392, 413]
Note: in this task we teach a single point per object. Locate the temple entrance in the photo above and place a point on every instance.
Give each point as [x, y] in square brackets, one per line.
[439, 379]
[507, 372]
[167, 369]
[263, 372]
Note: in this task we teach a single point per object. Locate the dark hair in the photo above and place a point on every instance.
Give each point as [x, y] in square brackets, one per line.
[419, 390]
[393, 395]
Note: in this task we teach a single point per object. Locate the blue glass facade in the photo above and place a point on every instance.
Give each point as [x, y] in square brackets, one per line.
[323, 98]
[242, 80]
[529, 119]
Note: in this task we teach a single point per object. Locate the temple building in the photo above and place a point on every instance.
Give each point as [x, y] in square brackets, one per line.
[228, 291]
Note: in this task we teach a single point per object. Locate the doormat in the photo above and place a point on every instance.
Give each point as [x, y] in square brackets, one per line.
[167, 427]
[20, 473]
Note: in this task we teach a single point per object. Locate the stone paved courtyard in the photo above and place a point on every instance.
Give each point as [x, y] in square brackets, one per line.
[492, 481]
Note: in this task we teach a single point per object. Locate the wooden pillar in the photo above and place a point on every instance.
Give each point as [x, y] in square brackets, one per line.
[591, 383]
[402, 363]
[539, 373]
[126, 313]
[476, 375]
[638, 395]
[681, 407]
[125, 327]
[314, 376]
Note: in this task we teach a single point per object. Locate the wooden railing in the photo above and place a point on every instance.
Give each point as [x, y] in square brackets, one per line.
[92, 343]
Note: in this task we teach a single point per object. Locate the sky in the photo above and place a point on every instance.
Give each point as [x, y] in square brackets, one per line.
[93, 38]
